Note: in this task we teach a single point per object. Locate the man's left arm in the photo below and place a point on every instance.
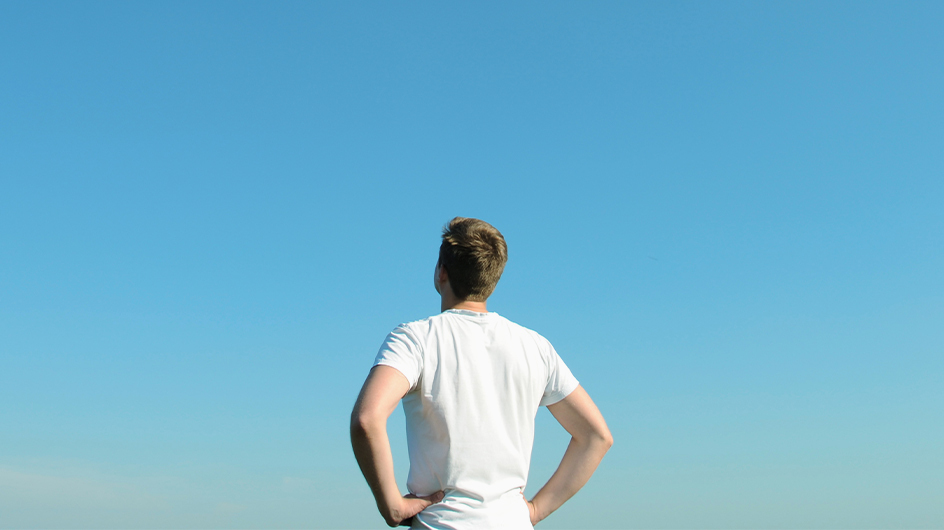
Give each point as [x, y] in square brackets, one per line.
[384, 388]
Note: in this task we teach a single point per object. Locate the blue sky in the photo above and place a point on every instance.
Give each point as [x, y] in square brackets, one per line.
[726, 217]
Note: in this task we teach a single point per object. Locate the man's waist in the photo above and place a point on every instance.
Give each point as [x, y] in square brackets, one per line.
[462, 510]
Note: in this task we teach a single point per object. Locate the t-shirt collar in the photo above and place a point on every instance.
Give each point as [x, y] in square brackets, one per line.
[469, 313]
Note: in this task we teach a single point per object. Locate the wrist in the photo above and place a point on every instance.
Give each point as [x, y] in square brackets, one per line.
[537, 515]
[392, 511]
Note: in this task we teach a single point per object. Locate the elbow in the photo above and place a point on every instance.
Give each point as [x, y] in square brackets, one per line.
[602, 439]
[362, 422]
[359, 423]
[607, 440]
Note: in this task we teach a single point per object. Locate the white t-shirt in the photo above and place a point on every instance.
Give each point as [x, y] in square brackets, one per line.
[476, 382]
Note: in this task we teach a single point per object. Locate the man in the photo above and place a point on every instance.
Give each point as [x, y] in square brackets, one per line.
[471, 382]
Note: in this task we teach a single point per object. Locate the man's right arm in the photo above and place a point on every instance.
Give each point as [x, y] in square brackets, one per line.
[590, 441]
[384, 388]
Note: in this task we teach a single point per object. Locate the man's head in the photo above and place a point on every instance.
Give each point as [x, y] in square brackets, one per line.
[473, 254]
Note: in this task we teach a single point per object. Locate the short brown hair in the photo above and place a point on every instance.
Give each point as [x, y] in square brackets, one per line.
[473, 253]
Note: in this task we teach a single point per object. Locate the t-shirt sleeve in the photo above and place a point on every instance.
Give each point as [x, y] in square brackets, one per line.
[560, 382]
[401, 351]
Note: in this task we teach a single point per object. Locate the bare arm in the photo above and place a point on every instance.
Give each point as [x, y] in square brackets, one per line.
[384, 388]
[590, 441]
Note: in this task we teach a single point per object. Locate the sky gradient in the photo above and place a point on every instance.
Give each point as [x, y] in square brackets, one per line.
[727, 218]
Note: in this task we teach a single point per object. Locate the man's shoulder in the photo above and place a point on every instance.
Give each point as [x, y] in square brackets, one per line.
[524, 331]
[424, 326]
[513, 325]
[419, 327]
[528, 331]
[424, 322]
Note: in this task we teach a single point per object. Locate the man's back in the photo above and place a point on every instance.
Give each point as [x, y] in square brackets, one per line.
[476, 382]
[471, 383]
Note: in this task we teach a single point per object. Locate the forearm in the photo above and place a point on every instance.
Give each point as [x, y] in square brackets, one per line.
[372, 451]
[578, 464]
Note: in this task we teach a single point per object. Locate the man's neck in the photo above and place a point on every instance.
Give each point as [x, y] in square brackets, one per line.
[468, 305]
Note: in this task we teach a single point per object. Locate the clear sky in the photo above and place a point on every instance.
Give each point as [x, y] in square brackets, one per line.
[727, 217]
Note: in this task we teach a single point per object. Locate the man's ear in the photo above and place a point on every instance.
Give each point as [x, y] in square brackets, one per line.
[444, 285]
